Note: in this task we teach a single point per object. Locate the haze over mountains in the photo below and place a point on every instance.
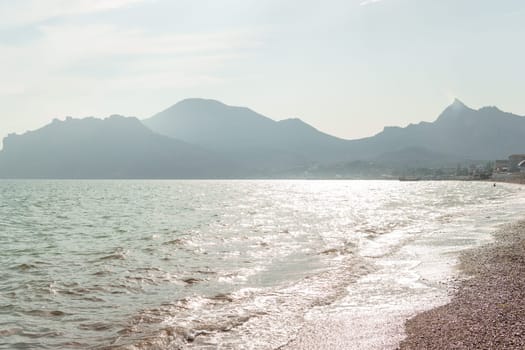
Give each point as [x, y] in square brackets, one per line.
[116, 147]
[459, 131]
[251, 139]
[198, 138]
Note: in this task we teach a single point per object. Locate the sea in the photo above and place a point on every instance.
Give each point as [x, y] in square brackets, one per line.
[229, 264]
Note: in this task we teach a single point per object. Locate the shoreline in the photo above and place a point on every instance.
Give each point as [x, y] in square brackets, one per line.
[487, 311]
[470, 312]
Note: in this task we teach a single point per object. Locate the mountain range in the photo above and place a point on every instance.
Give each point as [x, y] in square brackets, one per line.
[116, 147]
[198, 138]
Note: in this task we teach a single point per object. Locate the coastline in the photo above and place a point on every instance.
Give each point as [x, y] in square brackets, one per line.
[488, 308]
[480, 306]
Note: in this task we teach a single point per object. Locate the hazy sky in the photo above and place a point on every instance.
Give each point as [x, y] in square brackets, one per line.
[348, 67]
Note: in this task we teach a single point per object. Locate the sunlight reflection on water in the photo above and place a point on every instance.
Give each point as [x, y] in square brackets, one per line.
[96, 262]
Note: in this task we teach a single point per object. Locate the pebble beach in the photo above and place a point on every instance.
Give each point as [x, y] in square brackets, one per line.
[488, 309]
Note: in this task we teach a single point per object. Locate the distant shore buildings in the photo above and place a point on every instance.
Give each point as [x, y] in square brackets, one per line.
[501, 166]
[515, 163]
[511, 169]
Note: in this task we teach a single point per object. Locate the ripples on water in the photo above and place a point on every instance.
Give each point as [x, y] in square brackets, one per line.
[104, 264]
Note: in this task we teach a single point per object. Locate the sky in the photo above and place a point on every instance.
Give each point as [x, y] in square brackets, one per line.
[347, 67]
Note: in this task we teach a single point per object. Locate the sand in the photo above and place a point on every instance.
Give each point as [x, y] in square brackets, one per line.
[488, 309]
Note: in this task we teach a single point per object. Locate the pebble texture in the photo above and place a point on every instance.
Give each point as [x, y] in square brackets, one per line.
[488, 309]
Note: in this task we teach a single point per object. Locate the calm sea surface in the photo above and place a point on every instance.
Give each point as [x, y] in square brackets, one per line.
[221, 264]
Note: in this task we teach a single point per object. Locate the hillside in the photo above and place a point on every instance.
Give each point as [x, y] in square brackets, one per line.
[458, 134]
[459, 131]
[116, 147]
[199, 138]
[244, 135]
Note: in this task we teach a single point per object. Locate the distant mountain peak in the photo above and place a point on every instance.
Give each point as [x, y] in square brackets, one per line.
[490, 108]
[456, 109]
[458, 104]
[200, 101]
[202, 107]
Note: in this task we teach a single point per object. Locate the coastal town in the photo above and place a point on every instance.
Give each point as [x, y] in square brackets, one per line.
[511, 169]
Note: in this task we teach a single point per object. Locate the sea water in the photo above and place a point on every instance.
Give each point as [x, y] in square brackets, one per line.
[226, 264]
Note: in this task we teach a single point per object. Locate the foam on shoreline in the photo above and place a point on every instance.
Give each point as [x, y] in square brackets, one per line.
[420, 275]
[415, 277]
[487, 311]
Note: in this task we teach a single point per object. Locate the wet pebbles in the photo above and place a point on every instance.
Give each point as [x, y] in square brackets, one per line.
[488, 309]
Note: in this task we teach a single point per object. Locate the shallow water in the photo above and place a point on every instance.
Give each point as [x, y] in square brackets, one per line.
[224, 264]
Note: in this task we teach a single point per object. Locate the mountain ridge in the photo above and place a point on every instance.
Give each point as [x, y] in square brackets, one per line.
[203, 138]
[241, 133]
[114, 147]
